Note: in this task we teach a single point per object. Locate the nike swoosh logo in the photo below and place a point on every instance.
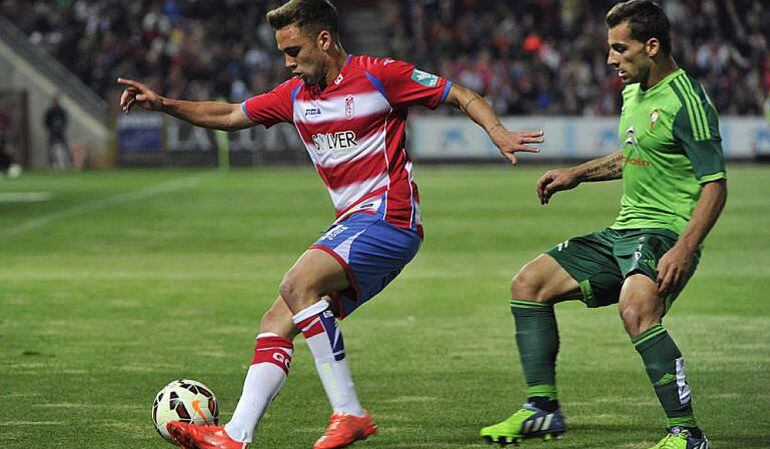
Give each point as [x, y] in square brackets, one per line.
[196, 404]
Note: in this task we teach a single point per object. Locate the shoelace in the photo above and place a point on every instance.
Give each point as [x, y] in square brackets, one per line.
[670, 441]
[334, 422]
[521, 415]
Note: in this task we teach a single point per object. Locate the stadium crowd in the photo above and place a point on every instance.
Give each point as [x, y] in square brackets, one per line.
[527, 57]
[549, 57]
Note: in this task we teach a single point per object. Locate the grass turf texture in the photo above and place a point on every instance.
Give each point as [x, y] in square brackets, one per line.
[123, 281]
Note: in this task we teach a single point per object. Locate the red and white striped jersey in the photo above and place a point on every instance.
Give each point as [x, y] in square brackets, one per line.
[355, 132]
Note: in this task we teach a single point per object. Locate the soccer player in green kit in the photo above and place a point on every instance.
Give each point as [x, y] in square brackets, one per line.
[674, 189]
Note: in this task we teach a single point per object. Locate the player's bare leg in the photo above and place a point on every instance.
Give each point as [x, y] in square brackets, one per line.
[538, 285]
[543, 280]
[315, 275]
[641, 309]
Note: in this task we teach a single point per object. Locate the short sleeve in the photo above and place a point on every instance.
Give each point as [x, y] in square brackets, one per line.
[696, 127]
[272, 107]
[404, 85]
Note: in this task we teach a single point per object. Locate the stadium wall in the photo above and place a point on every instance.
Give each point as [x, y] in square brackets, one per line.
[439, 139]
[25, 68]
[154, 139]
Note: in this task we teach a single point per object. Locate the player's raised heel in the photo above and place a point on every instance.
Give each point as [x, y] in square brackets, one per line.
[528, 422]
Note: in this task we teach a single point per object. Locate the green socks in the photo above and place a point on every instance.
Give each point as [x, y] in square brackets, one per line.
[537, 337]
[665, 368]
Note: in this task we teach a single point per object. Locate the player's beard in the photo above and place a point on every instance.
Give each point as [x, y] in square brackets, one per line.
[643, 77]
[314, 79]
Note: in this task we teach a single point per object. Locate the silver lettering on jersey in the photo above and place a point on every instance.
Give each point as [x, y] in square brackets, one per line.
[631, 139]
[339, 142]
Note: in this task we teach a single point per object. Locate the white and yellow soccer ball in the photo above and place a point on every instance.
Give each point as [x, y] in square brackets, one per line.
[186, 401]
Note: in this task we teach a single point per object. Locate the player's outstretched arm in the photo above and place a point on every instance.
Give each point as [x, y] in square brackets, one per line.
[475, 107]
[675, 264]
[208, 114]
[603, 169]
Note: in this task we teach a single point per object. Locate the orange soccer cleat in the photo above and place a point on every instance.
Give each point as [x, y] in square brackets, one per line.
[192, 436]
[345, 430]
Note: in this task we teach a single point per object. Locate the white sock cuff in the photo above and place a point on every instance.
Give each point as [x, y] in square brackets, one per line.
[267, 334]
[313, 310]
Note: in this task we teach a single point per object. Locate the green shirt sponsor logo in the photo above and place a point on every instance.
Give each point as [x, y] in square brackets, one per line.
[671, 144]
[424, 78]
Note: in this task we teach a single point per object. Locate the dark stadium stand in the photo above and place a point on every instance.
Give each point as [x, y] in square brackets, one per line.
[528, 57]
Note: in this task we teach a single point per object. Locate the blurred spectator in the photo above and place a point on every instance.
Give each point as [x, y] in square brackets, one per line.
[8, 166]
[5, 158]
[55, 121]
[526, 56]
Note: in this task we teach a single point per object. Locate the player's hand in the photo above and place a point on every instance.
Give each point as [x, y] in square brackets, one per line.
[555, 181]
[138, 93]
[510, 142]
[673, 268]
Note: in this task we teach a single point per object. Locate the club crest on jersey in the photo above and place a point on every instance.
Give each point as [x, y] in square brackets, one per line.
[654, 116]
[342, 141]
[349, 107]
[424, 78]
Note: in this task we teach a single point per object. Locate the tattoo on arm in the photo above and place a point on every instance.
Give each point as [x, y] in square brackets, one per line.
[465, 106]
[604, 169]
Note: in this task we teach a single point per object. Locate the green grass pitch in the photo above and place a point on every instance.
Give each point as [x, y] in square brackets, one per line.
[113, 284]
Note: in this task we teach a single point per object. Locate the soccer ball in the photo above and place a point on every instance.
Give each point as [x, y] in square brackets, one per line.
[186, 401]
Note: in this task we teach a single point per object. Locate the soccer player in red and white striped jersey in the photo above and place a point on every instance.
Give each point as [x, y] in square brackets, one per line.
[351, 113]
[354, 131]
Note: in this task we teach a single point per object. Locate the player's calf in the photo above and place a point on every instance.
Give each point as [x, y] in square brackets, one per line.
[264, 379]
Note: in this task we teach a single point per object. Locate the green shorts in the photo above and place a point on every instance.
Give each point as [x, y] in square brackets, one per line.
[601, 261]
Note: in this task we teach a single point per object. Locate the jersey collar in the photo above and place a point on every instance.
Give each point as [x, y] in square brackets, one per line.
[662, 83]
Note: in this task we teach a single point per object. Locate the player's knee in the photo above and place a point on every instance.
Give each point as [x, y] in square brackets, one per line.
[296, 293]
[637, 319]
[289, 289]
[631, 319]
[527, 285]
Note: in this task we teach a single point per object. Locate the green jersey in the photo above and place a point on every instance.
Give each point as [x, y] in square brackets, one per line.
[671, 145]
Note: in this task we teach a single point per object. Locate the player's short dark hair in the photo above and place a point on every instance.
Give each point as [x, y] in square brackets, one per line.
[311, 16]
[646, 20]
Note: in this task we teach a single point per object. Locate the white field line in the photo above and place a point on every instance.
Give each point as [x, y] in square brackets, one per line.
[31, 423]
[102, 203]
[24, 197]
